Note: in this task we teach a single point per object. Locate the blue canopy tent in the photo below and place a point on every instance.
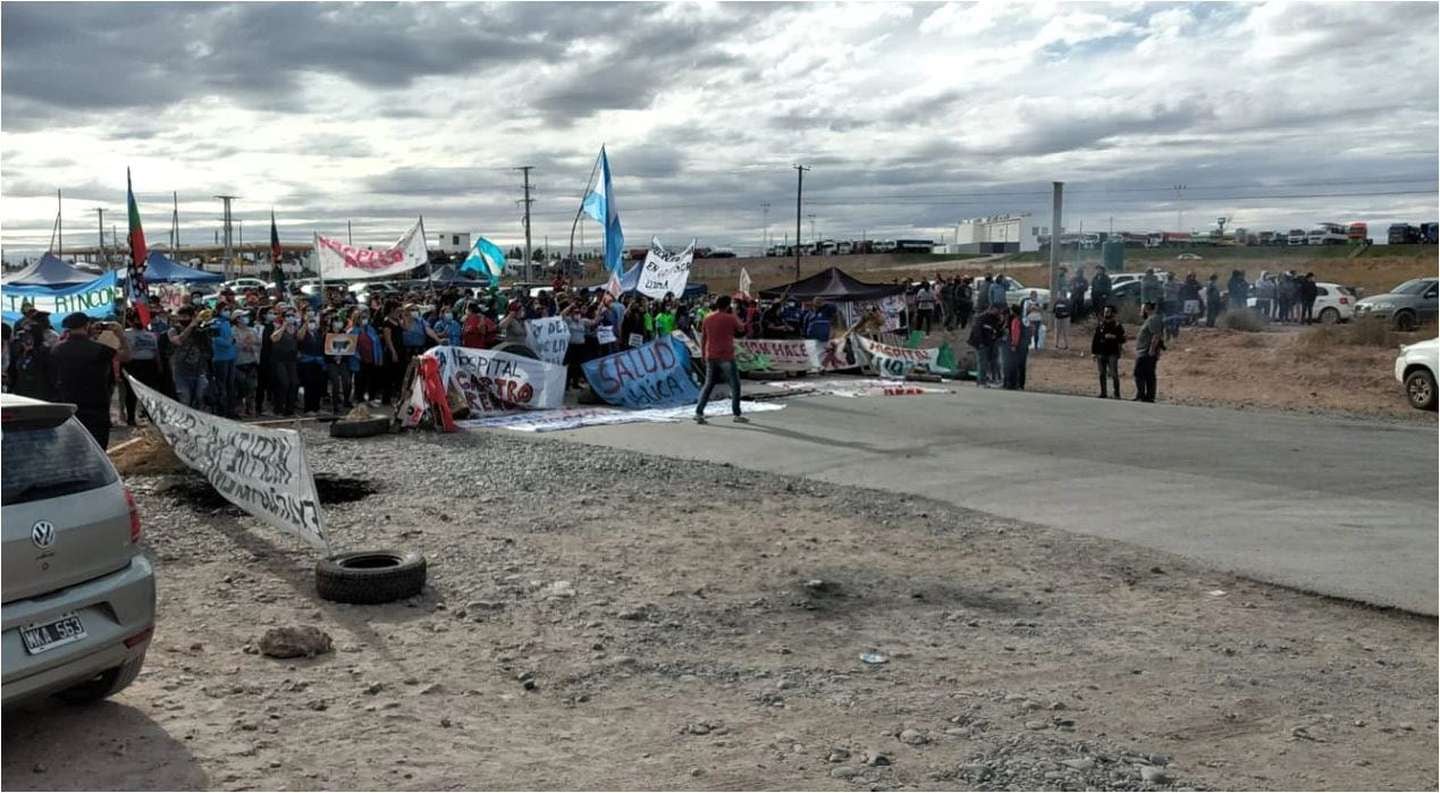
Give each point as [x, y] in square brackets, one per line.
[50, 271]
[161, 269]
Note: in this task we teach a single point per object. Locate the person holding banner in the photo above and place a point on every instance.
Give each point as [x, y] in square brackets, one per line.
[717, 334]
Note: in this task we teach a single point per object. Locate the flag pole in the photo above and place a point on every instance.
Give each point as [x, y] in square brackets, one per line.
[429, 275]
[578, 212]
[319, 268]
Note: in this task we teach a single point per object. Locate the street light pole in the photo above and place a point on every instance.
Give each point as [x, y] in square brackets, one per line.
[799, 191]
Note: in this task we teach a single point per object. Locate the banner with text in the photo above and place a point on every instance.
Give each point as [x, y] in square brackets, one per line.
[346, 262]
[777, 355]
[664, 272]
[887, 360]
[93, 298]
[260, 470]
[493, 381]
[653, 375]
[549, 338]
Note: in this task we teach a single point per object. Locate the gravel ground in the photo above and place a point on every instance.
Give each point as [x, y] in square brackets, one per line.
[603, 619]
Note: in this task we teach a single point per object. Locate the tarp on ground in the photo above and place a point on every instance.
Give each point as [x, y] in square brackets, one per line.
[832, 284]
[49, 270]
[161, 269]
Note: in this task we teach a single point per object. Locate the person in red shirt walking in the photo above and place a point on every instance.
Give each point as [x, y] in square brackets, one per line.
[717, 334]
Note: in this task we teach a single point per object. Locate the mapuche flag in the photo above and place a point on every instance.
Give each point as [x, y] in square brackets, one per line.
[275, 256]
[135, 277]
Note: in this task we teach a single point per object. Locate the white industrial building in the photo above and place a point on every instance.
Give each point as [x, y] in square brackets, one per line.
[998, 234]
[452, 242]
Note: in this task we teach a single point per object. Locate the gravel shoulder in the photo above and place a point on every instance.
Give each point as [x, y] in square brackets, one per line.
[693, 626]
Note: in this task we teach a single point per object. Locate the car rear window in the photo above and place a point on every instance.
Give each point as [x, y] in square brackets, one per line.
[48, 462]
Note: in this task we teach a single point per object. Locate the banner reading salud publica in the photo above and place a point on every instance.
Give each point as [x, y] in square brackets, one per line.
[652, 375]
[345, 262]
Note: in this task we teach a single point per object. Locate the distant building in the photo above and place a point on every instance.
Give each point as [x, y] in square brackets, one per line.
[452, 242]
[998, 234]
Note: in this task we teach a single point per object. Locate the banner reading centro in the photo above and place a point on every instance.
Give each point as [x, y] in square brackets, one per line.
[341, 261]
[262, 471]
[653, 375]
[94, 298]
[493, 381]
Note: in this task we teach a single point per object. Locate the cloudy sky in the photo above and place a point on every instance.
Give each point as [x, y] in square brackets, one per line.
[911, 116]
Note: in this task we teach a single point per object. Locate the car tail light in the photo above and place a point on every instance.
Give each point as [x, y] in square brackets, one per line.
[135, 530]
[142, 636]
[1344, 301]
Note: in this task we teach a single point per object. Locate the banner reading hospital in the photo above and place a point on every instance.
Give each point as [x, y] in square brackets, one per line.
[340, 261]
[262, 471]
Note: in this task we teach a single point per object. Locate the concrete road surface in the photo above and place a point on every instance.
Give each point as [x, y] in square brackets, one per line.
[1334, 506]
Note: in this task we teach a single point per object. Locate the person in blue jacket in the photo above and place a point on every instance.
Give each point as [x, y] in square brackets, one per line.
[222, 364]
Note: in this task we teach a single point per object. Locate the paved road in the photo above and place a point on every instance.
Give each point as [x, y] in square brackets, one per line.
[1340, 507]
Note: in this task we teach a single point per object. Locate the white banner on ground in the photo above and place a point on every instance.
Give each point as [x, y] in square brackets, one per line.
[777, 355]
[258, 469]
[495, 381]
[574, 418]
[858, 388]
[549, 338]
[664, 272]
[346, 262]
[887, 360]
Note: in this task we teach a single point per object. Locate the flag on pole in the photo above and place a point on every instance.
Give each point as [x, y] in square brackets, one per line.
[485, 258]
[275, 256]
[601, 206]
[135, 288]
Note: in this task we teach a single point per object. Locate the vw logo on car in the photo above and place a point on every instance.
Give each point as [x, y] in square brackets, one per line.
[43, 534]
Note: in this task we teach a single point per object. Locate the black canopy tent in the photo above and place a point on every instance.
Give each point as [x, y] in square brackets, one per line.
[834, 285]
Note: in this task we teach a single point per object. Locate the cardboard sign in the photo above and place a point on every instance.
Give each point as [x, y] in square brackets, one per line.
[339, 344]
[549, 338]
[653, 375]
[258, 469]
[664, 272]
[605, 334]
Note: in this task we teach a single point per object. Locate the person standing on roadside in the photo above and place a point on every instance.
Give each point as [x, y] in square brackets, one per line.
[284, 360]
[1151, 290]
[1100, 291]
[1212, 300]
[144, 363]
[1078, 285]
[1308, 293]
[247, 365]
[84, 372]
[1148, 344]
[1061, 310]
[964, 302]
[982, 294]
[717, 334]
[1237, 292]
[1106, 346]
[190, 358]
[997, 292]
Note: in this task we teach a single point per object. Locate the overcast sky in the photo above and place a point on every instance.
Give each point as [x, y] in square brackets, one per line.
[911, 116]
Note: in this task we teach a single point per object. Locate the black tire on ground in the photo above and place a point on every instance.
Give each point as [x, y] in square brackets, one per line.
[106, 684]
[516, 348]
[1405, 320]
[1420, 388]
[587, 396]
[359, 429]
[1329, 316]
[370, 576]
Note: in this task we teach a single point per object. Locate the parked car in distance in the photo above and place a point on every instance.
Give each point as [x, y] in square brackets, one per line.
[1190, 257]
[1016, 292]
[1416, 367]
[79, 593]
[1405, 307]
[1333, 303]
[241, 284]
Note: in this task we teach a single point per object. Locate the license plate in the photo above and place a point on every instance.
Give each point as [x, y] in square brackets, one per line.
[44, 636]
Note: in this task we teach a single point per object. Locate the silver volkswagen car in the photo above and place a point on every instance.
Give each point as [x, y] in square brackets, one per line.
[79, 594]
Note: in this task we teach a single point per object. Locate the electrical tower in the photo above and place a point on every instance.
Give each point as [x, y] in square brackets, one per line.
[526, 202]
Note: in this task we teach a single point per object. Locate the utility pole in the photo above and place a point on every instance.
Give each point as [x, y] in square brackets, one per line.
[229, 238]
[525, 169]
[60, 224]
[1179, 208]
[765, 234]
[799, 191]
[100, 229]
[349, 234]
[1057, 199]
[174, 223]
[813, 240]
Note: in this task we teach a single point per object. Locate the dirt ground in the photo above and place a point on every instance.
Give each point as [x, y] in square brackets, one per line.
[693, 626]
[1273, 369]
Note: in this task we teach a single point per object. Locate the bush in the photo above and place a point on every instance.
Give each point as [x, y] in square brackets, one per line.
[1360, 333]
[1246, 321]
